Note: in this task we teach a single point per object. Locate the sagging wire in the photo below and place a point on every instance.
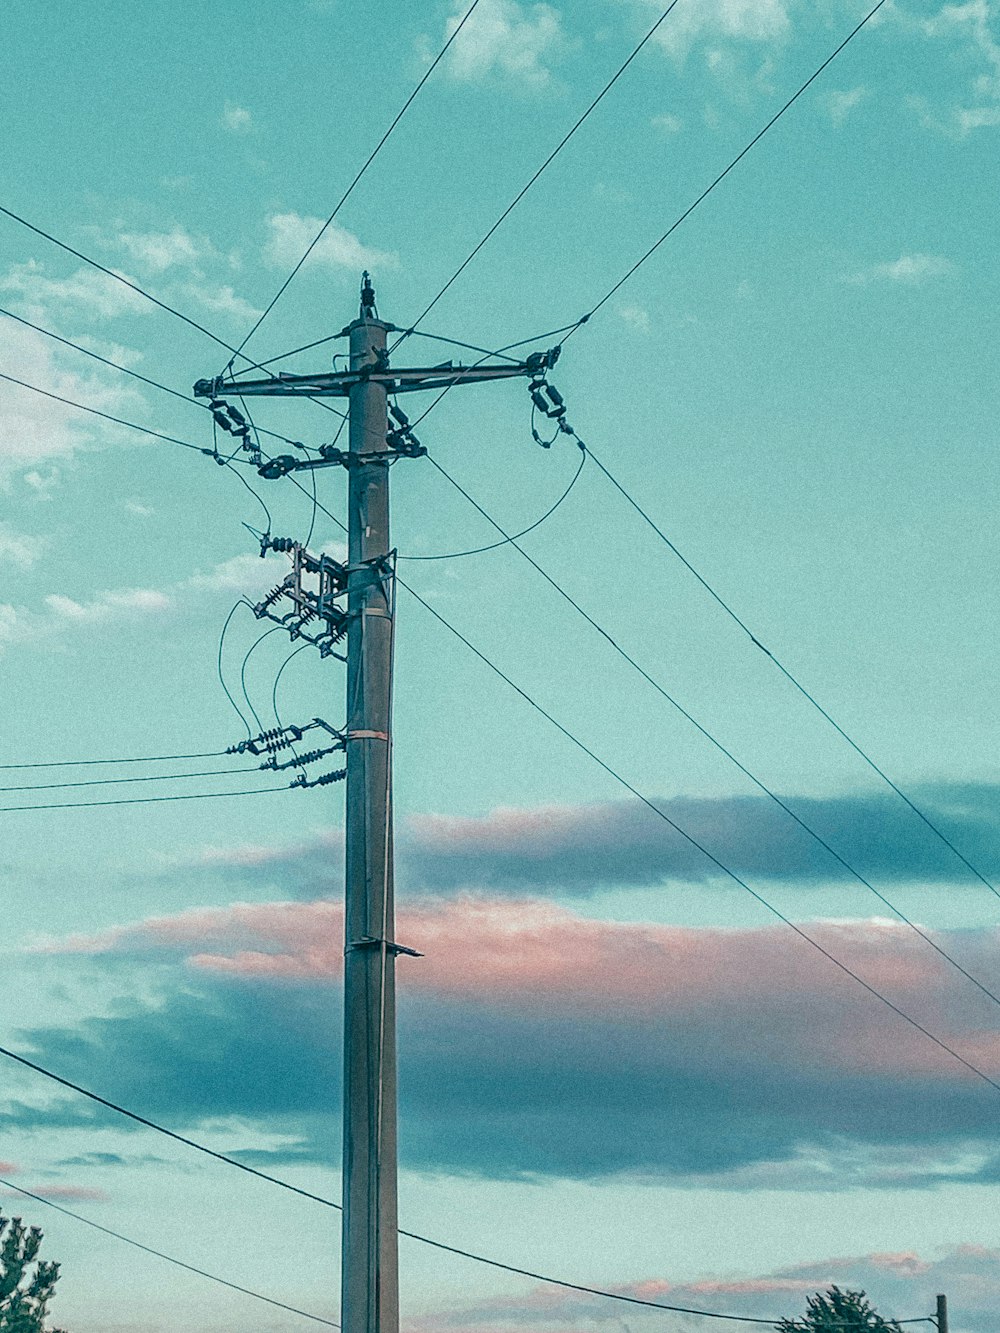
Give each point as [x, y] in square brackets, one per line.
[242, 601]
[243, 671]
[493, 546]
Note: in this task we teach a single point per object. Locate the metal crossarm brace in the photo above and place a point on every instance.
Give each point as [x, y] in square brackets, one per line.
[393, 381]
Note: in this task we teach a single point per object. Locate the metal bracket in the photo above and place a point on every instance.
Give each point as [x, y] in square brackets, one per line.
[370, 942]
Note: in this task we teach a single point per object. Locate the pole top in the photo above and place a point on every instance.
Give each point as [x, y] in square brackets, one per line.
[368, 307]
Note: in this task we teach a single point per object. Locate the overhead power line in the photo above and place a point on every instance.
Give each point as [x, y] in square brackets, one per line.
[548, 161]
[129, 759]
[793, 680]
[370, 159]
[111, 782]
[140, 800]
[169, 1258]
[689, 838]
[127, 370]
[94, 411]
[734, 163]
[410, 1235]
[723, 750]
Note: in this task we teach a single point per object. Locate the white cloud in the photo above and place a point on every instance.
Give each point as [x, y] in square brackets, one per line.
[246, 574]
[292, 233]
[236, 117]
[87, 292]
[636, 316]
[731, 20]
[841, 104]
[35, 430]
[668, 123]
[139, 509]
[17, 548]
[506, 38]
[108, 605]
[908, 269]
[156, 251]
[970, 26]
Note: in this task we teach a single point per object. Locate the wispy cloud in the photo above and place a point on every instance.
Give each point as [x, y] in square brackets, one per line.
[236, 117]
[17, 548]
[841, 103]
[911, 270]
[290, 234]
[504, 38]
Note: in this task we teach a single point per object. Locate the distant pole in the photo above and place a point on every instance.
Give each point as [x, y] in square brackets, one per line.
[942, 1314]
[370, 1278]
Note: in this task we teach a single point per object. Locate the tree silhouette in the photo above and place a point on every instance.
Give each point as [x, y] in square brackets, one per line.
[848, 1311]
[25, 1291]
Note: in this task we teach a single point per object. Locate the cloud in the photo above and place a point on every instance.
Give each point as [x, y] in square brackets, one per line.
[155, 252]
[841, 104]
[637, 317]
[107, 605]
[17, 548]
[578, 849]
[85, 292]
[222, 300]
[740, 1057]
[236, 118]
[910, 270]
[668, 123]
[504, 38]
[36, 431]
[291, 234]
[900, 1286]
[757, 21]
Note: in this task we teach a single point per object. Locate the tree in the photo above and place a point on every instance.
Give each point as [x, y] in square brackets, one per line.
[844, 1310]
[24, 1294]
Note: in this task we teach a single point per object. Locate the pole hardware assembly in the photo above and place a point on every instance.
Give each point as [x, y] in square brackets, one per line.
[317, 588]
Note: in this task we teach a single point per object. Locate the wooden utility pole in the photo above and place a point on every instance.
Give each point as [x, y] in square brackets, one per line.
[370, 1282]
[369, 1274]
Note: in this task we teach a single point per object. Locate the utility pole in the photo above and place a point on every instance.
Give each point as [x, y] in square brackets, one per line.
[370, 1279]
[941, 1318]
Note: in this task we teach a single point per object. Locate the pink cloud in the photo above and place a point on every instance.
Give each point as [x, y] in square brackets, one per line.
[517, 956]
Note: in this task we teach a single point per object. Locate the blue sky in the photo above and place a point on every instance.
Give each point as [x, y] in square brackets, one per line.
[637, 1078]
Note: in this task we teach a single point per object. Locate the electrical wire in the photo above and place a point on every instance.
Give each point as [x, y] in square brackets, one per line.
[735, 162]
[371, 158]
[119, 421]
[650, 804]
[111, 782]
[130, 759]
[101, 268]
[723, 750]
[410, 1235]
[140, 800]
[127, 370]
[792, 679]
[222, 681]
[243, 671]
[274, 692]
[493, 546]
[694, 842]
[551, 158]
[159, 1254]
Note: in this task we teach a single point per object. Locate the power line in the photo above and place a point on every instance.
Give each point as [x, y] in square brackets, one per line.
[127, 370]
[735, 161]
[140, 291]
[370, 159]
[551, 158]
[806, 694]
[713, 740]
[329, 1203]
[651, 805]
[141, 800]
[108, 782]
[689, 838]
[130, 759]
[179, 1263]
[119, 421]
[493, 546]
